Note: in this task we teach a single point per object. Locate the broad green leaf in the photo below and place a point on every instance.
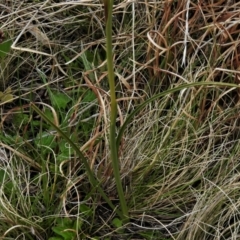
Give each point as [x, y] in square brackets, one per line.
[2, 175]
[65, 150]
[60, 100]
[64, 222]
[5, 48]
[85, 210]
[117, 222]
[48, 113]
[64, 232]
[20, 118]
[89, 96]
[45, 139]
[94, 182]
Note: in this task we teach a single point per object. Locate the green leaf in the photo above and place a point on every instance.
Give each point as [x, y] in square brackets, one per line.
[55, 238]
[94, 182]
[45, 139]
[87, 65]
[78, 224]
[117, 222]
[89, 97]
[84, 209]
[48, 113]
[20, 118]
[5, 48]
[2, 175]
[64, 232]
[60, 100]
[64, 222]
[65, 150]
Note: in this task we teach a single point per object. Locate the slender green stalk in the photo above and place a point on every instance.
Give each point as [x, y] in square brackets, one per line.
[113, 147]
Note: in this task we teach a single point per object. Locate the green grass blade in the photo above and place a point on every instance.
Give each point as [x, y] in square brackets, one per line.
[184, 86]
[90, 175]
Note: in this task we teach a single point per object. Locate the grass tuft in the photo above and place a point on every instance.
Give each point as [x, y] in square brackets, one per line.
[158, 143]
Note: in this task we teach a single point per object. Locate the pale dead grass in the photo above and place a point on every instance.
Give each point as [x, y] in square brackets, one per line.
[179, 156]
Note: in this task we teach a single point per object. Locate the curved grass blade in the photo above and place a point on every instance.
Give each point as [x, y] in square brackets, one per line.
[94, 182]
[184, 86]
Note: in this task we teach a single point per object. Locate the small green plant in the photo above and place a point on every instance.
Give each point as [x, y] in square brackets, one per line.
[70, 229]
[64, 229]
[94, 182]
[5, 48]
[123, 214]
[118, 224]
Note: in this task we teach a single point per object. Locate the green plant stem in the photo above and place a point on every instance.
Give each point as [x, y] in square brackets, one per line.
[113, 116]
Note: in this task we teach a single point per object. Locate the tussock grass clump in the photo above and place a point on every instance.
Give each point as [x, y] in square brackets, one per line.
[177, 124]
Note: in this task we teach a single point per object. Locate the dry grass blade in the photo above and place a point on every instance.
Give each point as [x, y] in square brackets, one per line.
[179, 155]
